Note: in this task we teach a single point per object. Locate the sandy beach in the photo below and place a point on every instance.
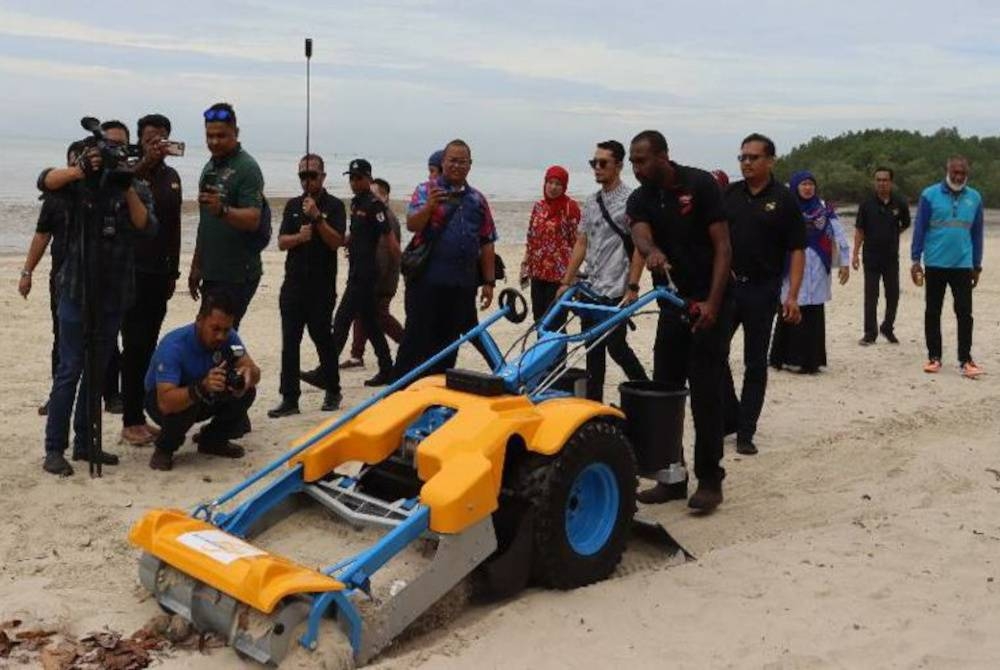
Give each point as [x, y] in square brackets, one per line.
[865, 534]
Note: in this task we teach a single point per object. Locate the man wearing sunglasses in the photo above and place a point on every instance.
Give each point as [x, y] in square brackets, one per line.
[231, 195]
[312, 229]
[613, 266]
[768, 235]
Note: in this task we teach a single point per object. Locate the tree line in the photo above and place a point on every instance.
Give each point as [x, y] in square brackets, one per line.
[843, 165]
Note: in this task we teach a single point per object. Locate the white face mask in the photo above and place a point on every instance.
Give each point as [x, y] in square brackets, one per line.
[953, 185]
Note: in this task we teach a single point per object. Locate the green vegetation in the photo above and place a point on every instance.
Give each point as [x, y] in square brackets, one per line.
[843, 165]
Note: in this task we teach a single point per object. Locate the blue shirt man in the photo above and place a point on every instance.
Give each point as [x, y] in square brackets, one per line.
[948, 234]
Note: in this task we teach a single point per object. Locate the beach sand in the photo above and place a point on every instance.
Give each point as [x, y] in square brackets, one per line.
[864, 534]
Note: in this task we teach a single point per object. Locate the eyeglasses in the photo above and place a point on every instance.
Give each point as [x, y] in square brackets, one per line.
[749, 158]
[599, 163]
[308, 174]
[218, 115]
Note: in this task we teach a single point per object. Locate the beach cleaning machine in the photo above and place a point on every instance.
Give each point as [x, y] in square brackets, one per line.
[507, 476]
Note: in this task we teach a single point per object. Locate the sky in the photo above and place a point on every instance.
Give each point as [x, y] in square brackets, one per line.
[525, 83]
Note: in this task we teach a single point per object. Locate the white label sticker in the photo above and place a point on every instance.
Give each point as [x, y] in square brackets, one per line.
[219, 546]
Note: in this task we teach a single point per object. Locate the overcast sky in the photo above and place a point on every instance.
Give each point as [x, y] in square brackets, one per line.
[525, 82]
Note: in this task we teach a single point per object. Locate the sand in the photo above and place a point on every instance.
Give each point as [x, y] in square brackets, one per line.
[864, 534]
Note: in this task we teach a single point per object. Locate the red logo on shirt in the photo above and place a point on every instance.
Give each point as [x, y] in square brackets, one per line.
[686, 202]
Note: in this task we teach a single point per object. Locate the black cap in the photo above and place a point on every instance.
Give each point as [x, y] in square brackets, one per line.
[359, 167]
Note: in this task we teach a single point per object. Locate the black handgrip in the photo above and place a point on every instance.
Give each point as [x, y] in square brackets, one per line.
[517, 306]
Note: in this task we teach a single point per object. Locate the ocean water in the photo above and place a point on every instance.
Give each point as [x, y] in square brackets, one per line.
[21, 160]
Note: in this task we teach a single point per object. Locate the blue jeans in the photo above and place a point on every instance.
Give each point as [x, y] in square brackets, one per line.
[68, 373]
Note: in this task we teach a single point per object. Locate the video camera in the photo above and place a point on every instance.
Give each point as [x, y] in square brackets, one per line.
[117, 160]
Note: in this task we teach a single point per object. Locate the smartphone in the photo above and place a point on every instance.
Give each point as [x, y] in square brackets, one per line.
[173, 148]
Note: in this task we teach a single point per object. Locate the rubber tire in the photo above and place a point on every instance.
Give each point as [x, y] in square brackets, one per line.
[556, 564]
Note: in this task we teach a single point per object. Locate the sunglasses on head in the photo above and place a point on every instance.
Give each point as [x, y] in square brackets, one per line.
[599, 163]
[308, 174]
[218, 115]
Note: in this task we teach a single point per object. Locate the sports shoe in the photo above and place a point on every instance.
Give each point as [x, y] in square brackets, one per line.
[970, 370]
[352, 363]
[932, 366]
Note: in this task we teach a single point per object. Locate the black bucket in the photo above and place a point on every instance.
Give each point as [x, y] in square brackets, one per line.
[574, 381]
[654, 413]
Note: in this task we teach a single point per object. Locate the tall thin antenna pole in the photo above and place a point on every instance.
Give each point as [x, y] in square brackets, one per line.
[309, 53]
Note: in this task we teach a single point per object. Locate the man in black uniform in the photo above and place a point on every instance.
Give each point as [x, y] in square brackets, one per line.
[369, 224]
[678, 225]
[156, 261]
[881, 218]
[312, 229]
[768, 232]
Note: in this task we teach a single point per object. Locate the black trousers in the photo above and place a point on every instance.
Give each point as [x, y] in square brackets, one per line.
[960, 282]
[241, 292]
[226, 416]
[700, 360]
[436, 316]
[888, 274]
[109, 388]
[301, 308]
[359, 302]
[543, 294]
[752, 305]
[621, 353]
[140, 332]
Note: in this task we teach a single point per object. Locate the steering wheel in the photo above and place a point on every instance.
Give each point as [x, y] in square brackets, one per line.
[517, 306]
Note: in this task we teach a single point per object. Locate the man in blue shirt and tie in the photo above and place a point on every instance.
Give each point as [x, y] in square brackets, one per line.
[948, 234]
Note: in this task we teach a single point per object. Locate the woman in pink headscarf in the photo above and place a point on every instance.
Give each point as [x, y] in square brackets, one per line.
[551, 236]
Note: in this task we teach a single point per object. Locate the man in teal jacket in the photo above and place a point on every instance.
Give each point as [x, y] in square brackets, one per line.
[948, 233]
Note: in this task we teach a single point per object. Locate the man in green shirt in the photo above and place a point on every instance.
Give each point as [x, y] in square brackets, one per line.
[231, 195]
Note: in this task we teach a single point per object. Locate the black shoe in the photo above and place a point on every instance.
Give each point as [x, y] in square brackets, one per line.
[225, 449]
[661, 493]
[746, 447]
[56, 464]
[114, 405]
[162, 460]
[43, 410]
[383, 377]
[707, 497]
[866, 341]
[286, 407]
[888, 334]
[313, 377]
[331, 401]
[104, 457]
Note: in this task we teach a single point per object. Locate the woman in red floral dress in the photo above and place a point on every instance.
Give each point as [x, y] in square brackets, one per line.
[551, 236]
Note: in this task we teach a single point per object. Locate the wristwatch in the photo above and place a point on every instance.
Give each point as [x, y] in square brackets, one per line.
[633, 287]
[25, 272]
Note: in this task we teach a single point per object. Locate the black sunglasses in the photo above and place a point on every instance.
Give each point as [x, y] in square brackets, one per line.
[218, 115]
[308, 174]
[599, 162]
[749, 158]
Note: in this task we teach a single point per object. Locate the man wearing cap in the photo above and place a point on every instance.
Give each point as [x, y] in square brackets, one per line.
[312, 229]
[231, 195]
[369, 224]
[456, 220]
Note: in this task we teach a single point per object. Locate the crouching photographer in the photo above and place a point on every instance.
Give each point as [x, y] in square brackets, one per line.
[201, 371]
[107, 208]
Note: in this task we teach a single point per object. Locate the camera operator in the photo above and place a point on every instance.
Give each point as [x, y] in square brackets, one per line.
[198, 372]
[156, 262]
[110, 208]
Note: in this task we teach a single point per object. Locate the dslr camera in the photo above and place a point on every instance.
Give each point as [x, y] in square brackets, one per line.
[232, 355]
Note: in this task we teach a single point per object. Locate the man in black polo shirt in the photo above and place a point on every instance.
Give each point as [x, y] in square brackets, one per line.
[312, 229]
[768, 235]
[881, 218]
[679, 226]
[156, 261]
[369, 224]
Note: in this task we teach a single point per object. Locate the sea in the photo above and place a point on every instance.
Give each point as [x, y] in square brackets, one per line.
[21, 160]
